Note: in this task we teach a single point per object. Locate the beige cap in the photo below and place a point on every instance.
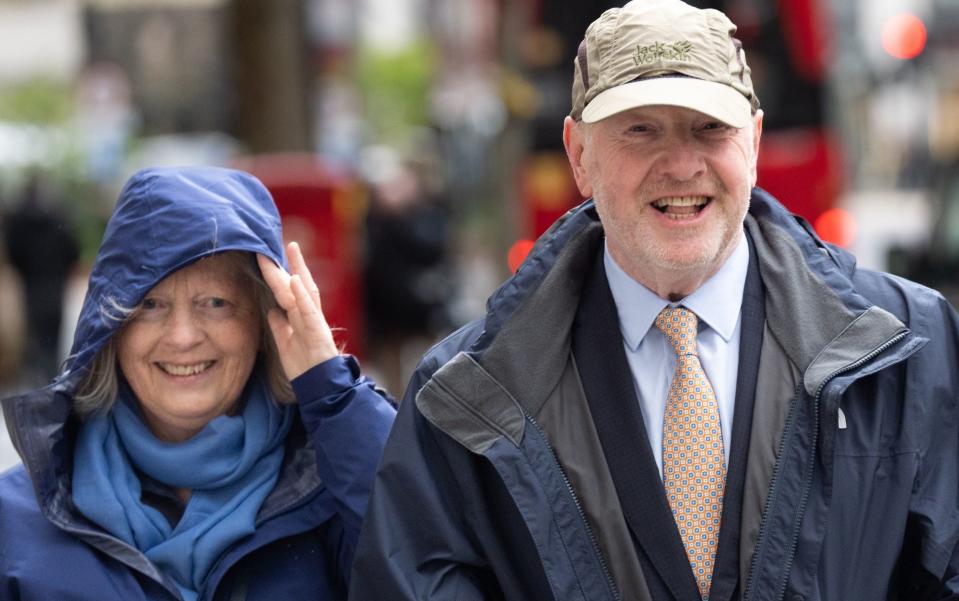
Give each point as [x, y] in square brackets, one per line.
[662, 52]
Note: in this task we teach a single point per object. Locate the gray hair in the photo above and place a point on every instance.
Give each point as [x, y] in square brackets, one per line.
[98, 389]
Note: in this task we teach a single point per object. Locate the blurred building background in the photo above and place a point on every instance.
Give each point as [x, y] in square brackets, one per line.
[414, 146]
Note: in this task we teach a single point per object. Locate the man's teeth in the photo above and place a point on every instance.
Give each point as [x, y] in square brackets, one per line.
[680, 201]
[185, 370]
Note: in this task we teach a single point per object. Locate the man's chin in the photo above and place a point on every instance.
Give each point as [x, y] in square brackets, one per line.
[685, 255]
[685, 264]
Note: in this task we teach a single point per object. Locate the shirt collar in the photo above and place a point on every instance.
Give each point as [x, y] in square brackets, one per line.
[717, 302]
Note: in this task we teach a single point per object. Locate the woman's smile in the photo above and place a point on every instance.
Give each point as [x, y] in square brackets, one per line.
[193, 369]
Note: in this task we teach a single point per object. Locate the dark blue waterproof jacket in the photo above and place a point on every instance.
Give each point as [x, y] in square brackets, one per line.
[307, 527]
[851, 486]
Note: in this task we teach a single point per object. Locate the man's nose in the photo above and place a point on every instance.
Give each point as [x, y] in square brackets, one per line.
[682, 161]
[182, 329]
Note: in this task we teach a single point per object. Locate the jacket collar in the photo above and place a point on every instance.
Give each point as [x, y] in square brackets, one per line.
[812, 308]
[484, 393]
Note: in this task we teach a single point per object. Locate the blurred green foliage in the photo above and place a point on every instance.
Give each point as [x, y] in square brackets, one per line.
[46, 107]
[396, 88]
[39, 100]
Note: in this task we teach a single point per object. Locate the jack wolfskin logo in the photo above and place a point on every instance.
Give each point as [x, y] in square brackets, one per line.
[677, 51]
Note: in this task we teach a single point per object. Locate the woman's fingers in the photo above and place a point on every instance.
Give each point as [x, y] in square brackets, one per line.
[298, 267]
[313, 322]
[307, 312]
[278, 281]
[301, 332]
[283, 336]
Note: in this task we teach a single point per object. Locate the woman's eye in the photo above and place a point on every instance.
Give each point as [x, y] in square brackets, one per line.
[215, 302]
[216, 305]
[149, 308]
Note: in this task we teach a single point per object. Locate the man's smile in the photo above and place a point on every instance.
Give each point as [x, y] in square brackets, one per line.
[681, 207]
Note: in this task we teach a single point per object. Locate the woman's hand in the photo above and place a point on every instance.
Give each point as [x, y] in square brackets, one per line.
[303, 338]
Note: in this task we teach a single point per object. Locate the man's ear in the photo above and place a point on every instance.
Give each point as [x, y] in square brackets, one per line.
[574, 141]
[757, 134]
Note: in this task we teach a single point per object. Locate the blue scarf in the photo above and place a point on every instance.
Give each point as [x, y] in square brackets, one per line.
[230, 466]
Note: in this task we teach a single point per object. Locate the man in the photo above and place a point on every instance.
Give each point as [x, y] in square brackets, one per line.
[683, 393]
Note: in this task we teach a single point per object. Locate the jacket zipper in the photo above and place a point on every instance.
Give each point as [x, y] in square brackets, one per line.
[804, 499]
[815, 436]
[579, 508]
[747, 595]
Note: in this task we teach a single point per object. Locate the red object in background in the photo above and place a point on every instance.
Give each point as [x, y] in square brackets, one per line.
[808, 39]
[323, 211]
[802, 168]
[517, 253]
[837, 226]
[547, 192]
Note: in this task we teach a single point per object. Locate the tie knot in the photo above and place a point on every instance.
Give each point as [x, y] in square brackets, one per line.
[679, 324]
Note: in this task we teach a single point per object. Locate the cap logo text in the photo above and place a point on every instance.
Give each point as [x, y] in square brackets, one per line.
[677, 51]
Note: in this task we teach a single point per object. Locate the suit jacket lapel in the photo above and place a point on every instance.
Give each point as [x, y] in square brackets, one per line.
[608, 383]
[753, 316]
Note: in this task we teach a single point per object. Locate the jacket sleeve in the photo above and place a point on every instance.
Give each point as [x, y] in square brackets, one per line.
[415, 543]
[348, 420]
[935, 499]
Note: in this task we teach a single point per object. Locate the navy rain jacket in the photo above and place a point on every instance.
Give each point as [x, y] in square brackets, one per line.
[307, 527]
[852, 478]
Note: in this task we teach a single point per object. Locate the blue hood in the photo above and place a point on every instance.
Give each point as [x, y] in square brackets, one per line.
[165, 219]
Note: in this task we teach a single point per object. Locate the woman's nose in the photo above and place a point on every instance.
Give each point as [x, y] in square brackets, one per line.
[183, 330]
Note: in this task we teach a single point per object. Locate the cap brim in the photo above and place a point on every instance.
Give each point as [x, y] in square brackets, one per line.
[708, 97]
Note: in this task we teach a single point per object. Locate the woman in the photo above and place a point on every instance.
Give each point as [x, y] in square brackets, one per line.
[206, 439]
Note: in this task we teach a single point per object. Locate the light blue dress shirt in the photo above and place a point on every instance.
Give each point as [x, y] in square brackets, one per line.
[718, 304]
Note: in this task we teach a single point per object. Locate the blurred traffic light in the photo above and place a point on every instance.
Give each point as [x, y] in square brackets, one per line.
[517, 254]
[904, 36]
[836, 226]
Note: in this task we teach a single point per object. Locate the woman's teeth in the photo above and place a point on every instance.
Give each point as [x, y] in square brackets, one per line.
[185, 370]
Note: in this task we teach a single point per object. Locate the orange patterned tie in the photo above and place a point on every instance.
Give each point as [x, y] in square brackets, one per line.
[694, 471]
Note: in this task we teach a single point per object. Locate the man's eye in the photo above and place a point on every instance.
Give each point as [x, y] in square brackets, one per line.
[639, 128]
[148, 304]
[714, 126]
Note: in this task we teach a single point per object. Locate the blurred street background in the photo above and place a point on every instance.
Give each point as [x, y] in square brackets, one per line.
[414, 148]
